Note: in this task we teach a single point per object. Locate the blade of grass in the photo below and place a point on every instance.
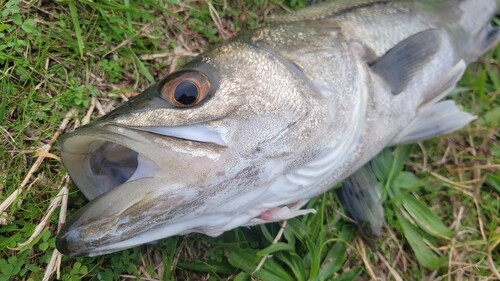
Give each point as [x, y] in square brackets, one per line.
[333, 261]
[295, 263]
[247, 260]
[401, 153]
[278, 246]
[78, 30]
[3, 104]
[265, 232]
[425, 256]
[127, 13]
[219, 267]
[425, 218]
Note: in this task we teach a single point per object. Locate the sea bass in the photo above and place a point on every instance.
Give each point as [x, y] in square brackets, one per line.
[248, 132]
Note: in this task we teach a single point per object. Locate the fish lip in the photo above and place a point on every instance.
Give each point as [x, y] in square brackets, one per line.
[187, 132]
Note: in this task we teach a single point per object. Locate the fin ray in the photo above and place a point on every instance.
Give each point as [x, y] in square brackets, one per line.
[436, 118]
[399, 65]
[433, 120]
[361, 197]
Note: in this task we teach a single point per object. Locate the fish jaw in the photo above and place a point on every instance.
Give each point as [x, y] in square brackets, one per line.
[134, 213]
[136, 188]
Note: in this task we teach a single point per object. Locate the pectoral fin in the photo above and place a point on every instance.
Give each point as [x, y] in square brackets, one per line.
[399, 65]
[361, 197]
[436, 118]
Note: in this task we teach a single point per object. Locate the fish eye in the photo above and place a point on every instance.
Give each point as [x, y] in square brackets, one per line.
[185, 89]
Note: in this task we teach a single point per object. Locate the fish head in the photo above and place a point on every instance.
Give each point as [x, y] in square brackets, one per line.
[196, 152]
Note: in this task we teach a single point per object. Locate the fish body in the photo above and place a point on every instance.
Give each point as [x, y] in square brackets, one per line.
[248, 132]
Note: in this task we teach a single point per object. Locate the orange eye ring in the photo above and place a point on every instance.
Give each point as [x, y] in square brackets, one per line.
[186, 89]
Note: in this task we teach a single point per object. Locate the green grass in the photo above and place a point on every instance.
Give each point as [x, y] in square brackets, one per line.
[64, 55]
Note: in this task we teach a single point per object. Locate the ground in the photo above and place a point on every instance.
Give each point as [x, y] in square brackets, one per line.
[64, 63]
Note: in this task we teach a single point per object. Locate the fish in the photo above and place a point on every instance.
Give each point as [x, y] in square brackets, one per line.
[247, 132]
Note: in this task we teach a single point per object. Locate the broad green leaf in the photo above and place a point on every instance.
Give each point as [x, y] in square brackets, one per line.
[243, 276]
[84, 270]
[333, 260]
[400, 155]
[29, 26]
[348, 276]
[493, 181]
[297, 229]
[315, 258]
[279, 246]
[5, 13]
[425, 256]
[6, 268]
[14, 9]
[266, 233]
[211, 266]
[46, 235]
[479, 82]
[294, 262]
[381, 164]
[248, 260]
[407, 180]
[425, 218]
[16, 18]
[316, 222]
[490, 118]
[43, 246]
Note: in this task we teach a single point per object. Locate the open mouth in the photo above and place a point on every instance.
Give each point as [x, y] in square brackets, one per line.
[110, 164]
[136, 182]
[102, 158]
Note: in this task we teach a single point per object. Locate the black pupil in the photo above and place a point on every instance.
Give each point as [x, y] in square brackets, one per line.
[186, 93]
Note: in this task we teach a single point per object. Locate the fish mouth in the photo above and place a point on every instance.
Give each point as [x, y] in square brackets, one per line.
[100, 158]
[127, 174]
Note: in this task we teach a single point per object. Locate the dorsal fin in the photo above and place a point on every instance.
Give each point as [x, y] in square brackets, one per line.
[399, 65]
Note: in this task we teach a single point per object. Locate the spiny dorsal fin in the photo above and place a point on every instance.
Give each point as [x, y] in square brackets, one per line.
[399, 65]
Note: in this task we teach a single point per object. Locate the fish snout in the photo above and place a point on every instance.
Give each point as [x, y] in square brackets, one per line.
[70, 244]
